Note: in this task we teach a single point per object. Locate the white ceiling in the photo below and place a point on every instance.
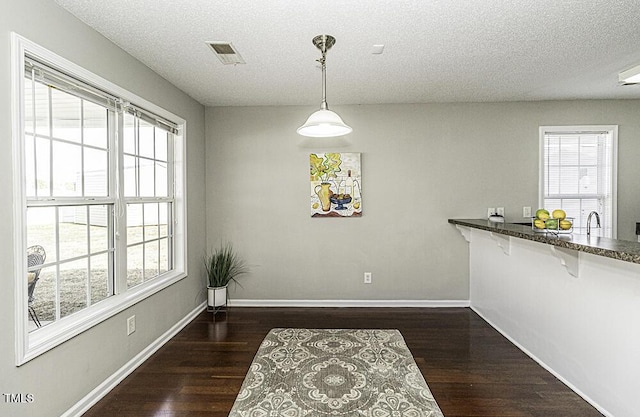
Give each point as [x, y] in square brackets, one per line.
[435, 51]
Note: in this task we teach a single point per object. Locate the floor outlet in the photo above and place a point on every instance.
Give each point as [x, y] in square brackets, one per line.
[367, 277]
[526, 211]
[131, 325]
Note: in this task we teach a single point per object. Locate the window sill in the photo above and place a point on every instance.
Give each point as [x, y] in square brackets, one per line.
[46, 338]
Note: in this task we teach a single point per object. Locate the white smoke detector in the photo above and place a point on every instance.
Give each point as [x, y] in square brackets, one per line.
[377, 49]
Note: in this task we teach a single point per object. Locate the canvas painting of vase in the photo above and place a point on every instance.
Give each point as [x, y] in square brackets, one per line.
[336, 184]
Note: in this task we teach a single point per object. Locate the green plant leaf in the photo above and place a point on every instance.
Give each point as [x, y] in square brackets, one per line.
[317, 168]
[223, 266]
[333, 162]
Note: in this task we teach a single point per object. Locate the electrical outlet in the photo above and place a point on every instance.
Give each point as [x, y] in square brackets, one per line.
[500, 211]
[526, 211]
[131, 325]
[491, 211]
[367, 277]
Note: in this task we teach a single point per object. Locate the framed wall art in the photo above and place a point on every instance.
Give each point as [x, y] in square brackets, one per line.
[336, 184]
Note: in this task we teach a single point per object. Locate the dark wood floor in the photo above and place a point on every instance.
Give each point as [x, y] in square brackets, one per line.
[470, 368]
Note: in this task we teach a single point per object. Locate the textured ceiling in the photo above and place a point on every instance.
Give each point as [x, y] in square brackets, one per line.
[435, 51]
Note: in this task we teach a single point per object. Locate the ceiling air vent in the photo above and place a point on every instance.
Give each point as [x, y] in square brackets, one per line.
[226, 53]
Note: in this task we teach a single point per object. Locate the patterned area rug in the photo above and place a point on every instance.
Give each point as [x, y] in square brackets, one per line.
[311, 372]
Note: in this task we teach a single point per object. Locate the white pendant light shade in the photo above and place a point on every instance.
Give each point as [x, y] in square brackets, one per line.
[324, 124]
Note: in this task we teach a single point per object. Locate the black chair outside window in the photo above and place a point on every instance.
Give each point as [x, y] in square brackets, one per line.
[35, 259]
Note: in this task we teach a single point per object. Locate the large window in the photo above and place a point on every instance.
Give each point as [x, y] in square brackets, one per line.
[69, 202]
[578, 174]
[100, 198]
[148, 194]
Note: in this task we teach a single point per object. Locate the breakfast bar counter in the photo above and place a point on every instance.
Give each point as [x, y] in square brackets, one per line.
[611, 248]
[570, 302]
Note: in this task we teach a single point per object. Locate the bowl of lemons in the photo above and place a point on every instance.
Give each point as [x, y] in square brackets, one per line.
[554, 222]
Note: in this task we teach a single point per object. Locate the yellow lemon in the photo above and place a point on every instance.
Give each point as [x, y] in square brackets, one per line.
[539, 224]
[559, 214]
[565, 224]
[315, 206]
[356, 205]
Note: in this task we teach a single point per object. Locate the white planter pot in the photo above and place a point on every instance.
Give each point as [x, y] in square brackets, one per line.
[216, 296]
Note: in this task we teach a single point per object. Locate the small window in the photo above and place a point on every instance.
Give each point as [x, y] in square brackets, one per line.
[578, 174]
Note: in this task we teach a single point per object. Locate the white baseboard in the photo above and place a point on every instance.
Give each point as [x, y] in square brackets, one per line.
[544, 365]
[348, 303]
[103, 389]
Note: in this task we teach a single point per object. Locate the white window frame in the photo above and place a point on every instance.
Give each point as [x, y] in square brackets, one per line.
[613, 131]
[29, 345]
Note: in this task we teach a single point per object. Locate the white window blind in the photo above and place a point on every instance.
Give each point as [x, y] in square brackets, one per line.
[578, 174]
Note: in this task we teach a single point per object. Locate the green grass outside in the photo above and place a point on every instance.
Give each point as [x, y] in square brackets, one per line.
[76, 276]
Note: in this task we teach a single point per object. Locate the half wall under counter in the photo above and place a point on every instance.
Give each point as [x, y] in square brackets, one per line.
[569, 302]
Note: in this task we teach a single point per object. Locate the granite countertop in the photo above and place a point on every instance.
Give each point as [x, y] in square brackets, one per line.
[623, 250]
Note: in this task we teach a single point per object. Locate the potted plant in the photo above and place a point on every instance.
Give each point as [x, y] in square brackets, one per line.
[222, 266]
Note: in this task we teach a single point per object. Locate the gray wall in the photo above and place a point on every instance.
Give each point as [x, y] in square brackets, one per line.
[61, 377]
[421, 164]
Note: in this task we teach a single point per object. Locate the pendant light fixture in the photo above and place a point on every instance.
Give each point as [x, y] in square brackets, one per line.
[324, 123]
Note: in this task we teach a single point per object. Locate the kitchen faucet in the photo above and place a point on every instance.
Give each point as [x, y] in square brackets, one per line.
[589, 222]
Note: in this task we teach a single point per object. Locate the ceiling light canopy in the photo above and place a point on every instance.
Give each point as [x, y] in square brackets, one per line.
[630, 76]
[324, 123]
